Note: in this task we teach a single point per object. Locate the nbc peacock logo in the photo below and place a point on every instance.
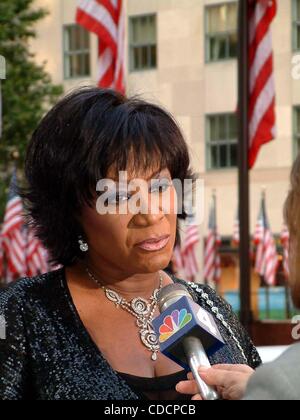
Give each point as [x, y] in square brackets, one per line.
[174, 323]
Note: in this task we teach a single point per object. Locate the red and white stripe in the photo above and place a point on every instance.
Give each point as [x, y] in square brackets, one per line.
[262, 119]
[106, 18]
[36, 255]
[285, 241]
[12, 239]
[266, 263]
[267, 259]
[212, 259]
[22, 254]
[13, 215]
[189, 256]
[236, 230]
[259, 231]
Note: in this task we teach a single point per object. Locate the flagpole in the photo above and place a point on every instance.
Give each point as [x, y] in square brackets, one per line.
[2, 77]
[243, 87]
[214, 200]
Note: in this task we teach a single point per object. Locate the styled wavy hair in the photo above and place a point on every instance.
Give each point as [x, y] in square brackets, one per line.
[77, 142]
[292, 217]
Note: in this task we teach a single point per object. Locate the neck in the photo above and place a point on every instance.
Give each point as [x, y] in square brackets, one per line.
[127, 285]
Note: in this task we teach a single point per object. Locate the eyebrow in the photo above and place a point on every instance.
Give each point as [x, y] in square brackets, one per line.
[155, 174]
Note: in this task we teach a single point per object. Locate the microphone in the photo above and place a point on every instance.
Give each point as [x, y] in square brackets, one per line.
[187, 334]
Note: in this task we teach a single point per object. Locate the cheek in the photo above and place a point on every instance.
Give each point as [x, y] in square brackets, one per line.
[169, 202]
[172, 221]
[111, 227]
[172, 214]
[174, 203]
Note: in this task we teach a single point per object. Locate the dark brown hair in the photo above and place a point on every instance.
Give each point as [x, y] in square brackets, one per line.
[292, 216]
[85, 134]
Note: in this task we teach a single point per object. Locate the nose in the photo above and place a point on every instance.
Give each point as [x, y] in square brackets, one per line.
[148, 219]
[151, 211]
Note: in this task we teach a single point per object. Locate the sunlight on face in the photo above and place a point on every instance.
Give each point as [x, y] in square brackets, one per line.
[146, 196]
[115, 235]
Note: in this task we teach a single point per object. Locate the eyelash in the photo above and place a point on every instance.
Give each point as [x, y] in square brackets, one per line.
[160, 185]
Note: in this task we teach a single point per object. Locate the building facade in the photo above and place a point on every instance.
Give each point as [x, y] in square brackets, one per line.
[182, 55]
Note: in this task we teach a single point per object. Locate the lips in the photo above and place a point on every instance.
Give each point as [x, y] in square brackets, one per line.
[154, 244]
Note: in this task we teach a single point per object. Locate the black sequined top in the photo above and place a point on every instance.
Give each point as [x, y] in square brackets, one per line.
[49, 355]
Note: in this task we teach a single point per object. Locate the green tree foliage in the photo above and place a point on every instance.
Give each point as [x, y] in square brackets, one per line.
[28, 90]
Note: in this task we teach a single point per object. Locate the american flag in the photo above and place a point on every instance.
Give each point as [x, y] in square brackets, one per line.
[36, 254]
[106, 18]
[21, 253]
[189, 258]
[236, 230]
[212, 259]
[2, 77]
[266, 254]
[285, 241]
[262, 120]
[12, 237]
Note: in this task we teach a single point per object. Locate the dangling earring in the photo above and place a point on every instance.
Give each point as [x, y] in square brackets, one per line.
[83, 245]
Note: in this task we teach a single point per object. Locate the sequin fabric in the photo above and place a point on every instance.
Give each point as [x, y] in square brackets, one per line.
[49, 355]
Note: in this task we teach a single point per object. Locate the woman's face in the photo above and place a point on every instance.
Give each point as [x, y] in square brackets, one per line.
[114, 238]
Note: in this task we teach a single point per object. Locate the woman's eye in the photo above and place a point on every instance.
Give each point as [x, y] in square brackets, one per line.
[161, 186]
[117, 199]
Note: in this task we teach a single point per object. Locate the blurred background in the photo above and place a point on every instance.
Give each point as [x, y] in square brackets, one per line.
[183, 55]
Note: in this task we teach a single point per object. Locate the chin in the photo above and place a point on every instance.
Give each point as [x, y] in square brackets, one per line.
[156, 262]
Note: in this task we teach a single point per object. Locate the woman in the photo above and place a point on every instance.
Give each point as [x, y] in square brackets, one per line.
[279, 380]
[85, 330]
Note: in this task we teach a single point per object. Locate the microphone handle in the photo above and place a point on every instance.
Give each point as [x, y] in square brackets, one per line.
[197, 358]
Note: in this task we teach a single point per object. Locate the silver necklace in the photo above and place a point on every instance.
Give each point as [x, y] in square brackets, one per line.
[141, 309]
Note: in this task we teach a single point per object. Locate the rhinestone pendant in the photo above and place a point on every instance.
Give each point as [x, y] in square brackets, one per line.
[149, 339]
[113, 296]
[154, 357]
[140, 306]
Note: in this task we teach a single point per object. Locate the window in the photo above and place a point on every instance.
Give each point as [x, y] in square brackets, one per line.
[297, 129]
[143, 44]
[221, 32]
[76, 52]
[222, 134]
[296, 25]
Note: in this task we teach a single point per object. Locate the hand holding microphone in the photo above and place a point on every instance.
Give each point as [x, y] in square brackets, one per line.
[230, 380]
[187, 334]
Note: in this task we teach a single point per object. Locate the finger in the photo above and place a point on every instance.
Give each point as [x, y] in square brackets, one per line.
[197, 398]
[187, 387]
[214, 377]
[220, 390]
[234, 368]
[190, 376]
